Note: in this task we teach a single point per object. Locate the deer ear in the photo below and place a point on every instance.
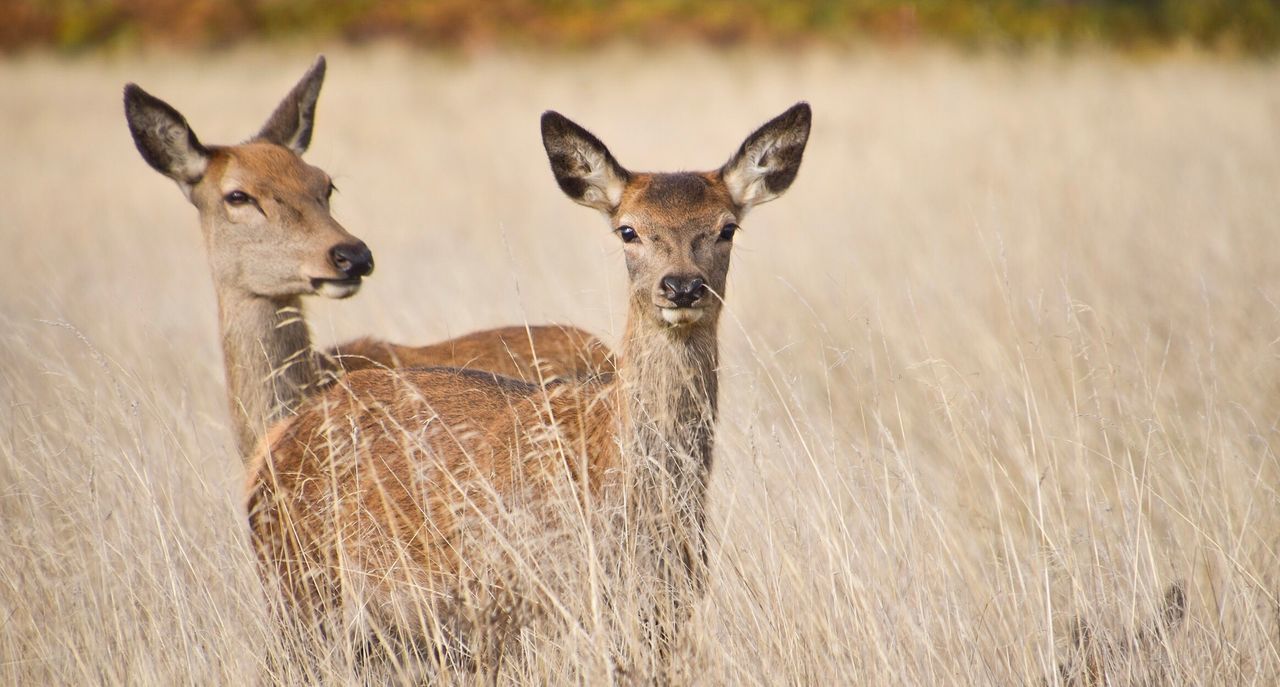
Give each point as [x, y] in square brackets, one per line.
[164, 138]
[767, 162]
[584, 168]
[295, 117]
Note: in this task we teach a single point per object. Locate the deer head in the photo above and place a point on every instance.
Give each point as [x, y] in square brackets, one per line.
[677, 229]
[264, 212]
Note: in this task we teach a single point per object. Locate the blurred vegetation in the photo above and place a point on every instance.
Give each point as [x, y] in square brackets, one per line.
[1242, 26]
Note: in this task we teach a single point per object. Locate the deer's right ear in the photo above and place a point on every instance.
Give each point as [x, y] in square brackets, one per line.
[295, 117]
[164, 138]
[584, 168]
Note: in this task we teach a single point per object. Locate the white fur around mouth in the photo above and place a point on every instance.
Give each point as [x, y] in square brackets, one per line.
[681, 316]
[336, 288]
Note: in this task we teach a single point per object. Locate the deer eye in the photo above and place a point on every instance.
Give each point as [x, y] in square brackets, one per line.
[727, 231]
[238, 198]
[329, 191]
[628, 234]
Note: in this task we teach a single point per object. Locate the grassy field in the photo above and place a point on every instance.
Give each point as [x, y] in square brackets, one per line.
[1005, 357]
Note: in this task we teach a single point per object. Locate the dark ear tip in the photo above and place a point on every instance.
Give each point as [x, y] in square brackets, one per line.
[318, 67]
[553, 122]
[136, 100]
[801, 112]
[133, 93]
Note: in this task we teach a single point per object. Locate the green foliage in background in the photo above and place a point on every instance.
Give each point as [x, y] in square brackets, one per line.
[1245, 26]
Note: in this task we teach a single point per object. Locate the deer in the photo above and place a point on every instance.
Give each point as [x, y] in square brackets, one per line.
[370, 499]
[271, 239]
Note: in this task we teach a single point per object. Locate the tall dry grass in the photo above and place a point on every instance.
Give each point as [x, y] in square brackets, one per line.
[1004, 357]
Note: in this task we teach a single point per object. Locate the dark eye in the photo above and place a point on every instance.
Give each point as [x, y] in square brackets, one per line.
[329, 192]
[727, 231]
[628, 234]
[238, 198]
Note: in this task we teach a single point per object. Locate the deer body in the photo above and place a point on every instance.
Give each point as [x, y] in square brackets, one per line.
[383, 492]
[271, 239]
[533, 354]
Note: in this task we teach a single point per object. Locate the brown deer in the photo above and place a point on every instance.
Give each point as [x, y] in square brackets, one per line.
[271, 239]
[374, 495]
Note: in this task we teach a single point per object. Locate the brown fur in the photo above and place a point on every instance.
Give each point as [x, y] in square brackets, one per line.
[266, 254]
[385, 491]
[538, 353]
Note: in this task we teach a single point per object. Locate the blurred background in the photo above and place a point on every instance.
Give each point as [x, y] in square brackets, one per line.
[1239, 26]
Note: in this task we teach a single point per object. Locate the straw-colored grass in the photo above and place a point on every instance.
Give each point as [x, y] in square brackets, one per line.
[1005, 356]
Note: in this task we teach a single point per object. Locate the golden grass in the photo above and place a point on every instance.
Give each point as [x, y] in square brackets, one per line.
[1005, 356]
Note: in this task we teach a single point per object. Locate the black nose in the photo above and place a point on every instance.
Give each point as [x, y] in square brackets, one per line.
[683, 291]
[352, 259]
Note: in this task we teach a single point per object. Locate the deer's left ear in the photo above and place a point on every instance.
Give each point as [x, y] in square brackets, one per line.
[767, 162]
[295, 117]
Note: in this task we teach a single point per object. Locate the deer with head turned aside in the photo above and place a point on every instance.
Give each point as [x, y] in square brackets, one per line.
[271, 239]
[369, 498]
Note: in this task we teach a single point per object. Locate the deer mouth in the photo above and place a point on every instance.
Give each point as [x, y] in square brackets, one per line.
[680, 317]
[336, 288]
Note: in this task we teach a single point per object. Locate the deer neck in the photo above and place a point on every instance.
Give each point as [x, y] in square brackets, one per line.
[270, 365]
[668, 386]
[667, 392]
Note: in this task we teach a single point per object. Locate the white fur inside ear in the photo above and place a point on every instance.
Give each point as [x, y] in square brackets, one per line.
[193, 167]
[746, 183]
[295, 143]
[604, 188]
[746, 178]
[186, 165]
